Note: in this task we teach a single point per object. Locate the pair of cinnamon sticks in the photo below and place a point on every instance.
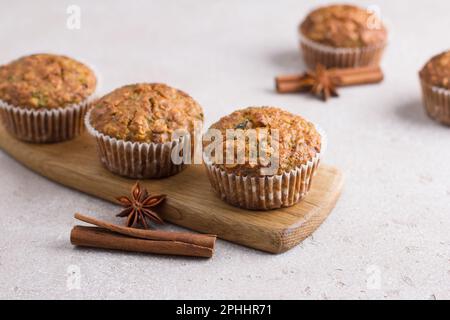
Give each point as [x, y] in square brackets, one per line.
[339, 77]
[110, 236]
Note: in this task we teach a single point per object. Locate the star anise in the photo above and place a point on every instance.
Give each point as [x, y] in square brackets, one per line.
[322, 84]
[138, 207]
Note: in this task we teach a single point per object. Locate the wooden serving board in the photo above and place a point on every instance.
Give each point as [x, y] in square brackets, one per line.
[191, 201]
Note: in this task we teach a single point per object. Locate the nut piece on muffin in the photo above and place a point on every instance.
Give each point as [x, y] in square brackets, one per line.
[342, 36]
[435, 81]
[297, 152]
[144, 117]
[40, 83]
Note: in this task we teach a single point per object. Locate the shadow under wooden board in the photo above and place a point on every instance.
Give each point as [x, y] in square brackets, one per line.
[191, 202]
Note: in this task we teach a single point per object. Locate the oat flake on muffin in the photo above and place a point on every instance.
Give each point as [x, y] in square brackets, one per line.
[146, 112]
[299, 141]
[45, 81]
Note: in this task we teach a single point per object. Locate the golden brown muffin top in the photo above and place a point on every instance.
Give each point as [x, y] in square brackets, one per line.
[436, 71]
[344, 26]
[145, 112]
[45, 81]
[299, 140]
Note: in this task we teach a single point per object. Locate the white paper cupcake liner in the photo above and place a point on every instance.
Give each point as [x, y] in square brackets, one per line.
[315, 53]
[436, 102]
[265, 192]
[136, 160]
[46, 125]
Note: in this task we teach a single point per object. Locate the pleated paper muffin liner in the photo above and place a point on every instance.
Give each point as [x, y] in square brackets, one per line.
[138, 160]
[265, 192]
[45, 125]
[315, 53]
[436, 102]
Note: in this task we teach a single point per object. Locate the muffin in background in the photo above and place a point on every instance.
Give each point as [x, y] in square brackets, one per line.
[300, 145]
[342, 36]
[435, 82]
[44, 97]
[134, 126]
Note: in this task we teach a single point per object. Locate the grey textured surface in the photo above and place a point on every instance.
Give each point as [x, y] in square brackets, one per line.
[389, 234]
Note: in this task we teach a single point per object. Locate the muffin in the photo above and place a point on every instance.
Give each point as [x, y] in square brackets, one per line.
[44, 97]
[435, 81]
[135, 128]
[342, 36]
[250, 184]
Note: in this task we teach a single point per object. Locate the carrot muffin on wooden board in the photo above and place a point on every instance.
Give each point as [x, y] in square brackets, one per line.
[134, 127]
[244, 183]
[435, 81]
[44, 97]
[342, 36]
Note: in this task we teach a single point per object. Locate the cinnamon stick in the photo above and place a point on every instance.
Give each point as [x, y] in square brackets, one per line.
[203, 240]
[287, 84]
[356, 76]
[288, 78]
[103, 238]
[355, 70]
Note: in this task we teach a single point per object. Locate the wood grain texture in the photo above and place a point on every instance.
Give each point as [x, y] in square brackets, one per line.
[191, 201]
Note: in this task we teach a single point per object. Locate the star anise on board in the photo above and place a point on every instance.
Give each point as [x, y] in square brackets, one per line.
[138, 208]
[322, 84]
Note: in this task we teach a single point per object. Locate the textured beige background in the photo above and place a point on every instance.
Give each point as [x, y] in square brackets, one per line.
[389, 234]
